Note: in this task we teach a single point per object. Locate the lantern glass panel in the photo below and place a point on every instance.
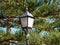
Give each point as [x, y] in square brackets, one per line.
[24, 22]
[30, 22]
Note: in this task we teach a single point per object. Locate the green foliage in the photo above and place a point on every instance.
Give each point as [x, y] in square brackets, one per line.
[41, 24]
[53, 38]
[35, 39]
[1, 34]
[6, 36]
[17, 7]
[20, 36]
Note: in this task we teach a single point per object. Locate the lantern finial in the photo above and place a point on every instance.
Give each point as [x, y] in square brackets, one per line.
[26, 9]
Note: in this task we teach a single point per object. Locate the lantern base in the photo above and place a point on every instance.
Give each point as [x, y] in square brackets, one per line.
[26, 27]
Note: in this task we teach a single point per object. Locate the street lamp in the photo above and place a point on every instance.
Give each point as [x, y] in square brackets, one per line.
[27, 20]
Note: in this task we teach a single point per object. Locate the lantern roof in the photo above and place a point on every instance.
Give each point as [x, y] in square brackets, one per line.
[27, 13]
